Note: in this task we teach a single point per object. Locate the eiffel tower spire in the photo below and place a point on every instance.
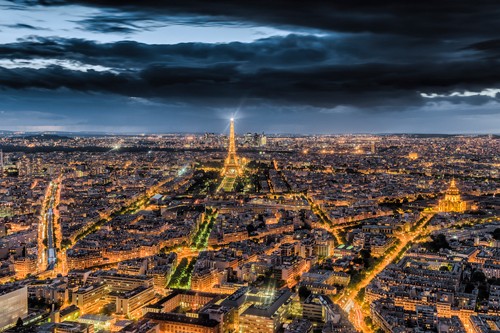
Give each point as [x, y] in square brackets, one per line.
[232, 145]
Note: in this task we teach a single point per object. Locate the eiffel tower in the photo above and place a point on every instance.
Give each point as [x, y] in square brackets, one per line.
[231, 164]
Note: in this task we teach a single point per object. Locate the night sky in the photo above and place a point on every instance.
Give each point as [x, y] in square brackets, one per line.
[277, 66]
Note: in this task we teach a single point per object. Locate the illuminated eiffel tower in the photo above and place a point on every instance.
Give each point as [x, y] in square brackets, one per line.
[231, 164]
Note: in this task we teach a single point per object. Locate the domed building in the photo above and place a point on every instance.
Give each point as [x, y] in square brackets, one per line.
[452, 201]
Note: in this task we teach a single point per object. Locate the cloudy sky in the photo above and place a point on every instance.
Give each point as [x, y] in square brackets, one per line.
[126, 66]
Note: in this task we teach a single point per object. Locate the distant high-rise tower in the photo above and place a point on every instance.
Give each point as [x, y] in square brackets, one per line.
[231, 165]
[373, 147]
[263, 140]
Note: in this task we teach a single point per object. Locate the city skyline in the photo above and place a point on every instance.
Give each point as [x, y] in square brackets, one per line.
[303, 68]
[249, 233]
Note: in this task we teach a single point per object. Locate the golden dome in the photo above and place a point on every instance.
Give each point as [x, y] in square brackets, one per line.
[453, 189]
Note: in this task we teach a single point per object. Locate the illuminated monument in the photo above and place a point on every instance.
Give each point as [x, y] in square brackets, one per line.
[231, 164]
[452, 202]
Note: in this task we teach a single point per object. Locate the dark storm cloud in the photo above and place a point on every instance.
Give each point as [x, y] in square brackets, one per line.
[388, 50]
[379, 57]
[24, 26]
[289, 51]
[364, 85]
[280, 52]
[425, 18]
[308, 70]
[112, 21]
[108, 25]
[123, 23]
[487, 49]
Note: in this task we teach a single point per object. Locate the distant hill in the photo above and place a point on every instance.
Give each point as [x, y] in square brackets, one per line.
[438, 135]
[47, 137]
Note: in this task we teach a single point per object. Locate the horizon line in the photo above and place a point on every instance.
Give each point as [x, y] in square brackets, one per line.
[242, 133]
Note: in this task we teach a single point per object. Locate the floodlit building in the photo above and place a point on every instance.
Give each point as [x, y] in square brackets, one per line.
[267, 313]
[90, 298]
[452, 202]
[485, 323]
[142, 326]
[99, 322]
[73, 327]
[13, 304]
[318, 308]
[130, 303]
[177, 323]
[25, 266]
